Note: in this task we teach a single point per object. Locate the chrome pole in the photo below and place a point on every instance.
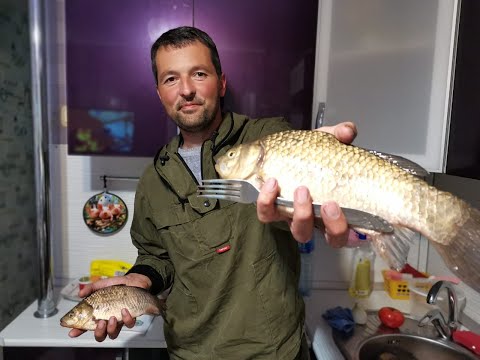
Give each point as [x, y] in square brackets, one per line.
[46, 304]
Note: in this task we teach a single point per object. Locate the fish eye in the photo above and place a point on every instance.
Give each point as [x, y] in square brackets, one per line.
[231, 153]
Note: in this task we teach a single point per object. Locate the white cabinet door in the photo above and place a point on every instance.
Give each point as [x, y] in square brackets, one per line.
[387, 65]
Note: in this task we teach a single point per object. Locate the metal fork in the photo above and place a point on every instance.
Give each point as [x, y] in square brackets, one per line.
[244, 192]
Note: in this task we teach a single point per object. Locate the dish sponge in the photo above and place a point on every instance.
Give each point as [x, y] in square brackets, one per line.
[340, 319]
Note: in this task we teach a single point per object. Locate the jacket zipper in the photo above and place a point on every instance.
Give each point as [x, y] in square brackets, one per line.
[224, 140]
[188, 169]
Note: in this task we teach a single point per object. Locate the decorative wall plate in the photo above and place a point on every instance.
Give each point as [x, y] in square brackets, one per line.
[105, 213]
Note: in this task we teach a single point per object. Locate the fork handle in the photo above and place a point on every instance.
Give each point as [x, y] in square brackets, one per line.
[289, 203]
[354, 217]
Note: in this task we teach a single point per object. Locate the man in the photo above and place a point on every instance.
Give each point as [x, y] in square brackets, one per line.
[233, 268]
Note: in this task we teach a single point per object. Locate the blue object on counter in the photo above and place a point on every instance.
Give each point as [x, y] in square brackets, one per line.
[341, 320]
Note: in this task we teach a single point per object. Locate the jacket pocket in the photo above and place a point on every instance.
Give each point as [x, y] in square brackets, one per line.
[194, 236]
[213, 230]
[281, 302]
[181, 329]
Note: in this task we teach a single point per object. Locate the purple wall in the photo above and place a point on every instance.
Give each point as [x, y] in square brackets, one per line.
[108, 64]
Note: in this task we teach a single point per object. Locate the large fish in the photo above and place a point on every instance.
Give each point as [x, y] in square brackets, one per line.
[109, 301]
[363, 180]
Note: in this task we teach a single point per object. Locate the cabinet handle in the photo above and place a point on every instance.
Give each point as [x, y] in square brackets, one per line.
[320, 115]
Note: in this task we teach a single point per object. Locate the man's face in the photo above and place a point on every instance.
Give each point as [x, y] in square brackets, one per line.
[188, 86]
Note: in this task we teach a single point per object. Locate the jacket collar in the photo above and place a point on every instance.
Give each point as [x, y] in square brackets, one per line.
[229, 126]
[175, 174]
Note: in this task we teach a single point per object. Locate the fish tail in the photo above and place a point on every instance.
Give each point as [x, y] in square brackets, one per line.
[393, 247]
[462, 253]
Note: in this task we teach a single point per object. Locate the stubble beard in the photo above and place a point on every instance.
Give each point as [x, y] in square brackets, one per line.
[198, 123]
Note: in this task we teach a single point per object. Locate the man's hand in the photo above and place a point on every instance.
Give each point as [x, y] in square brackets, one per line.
[345, 132]
[112, 327]
[302, 223]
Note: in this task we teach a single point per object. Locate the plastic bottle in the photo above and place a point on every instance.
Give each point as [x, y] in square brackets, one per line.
[361, 283]
[306, 273]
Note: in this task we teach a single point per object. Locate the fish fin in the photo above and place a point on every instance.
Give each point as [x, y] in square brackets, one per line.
[153, 310]
[462, 254]
[162, 304]
[405, 164]
[393, 247]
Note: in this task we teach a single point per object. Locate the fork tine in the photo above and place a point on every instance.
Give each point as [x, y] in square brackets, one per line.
[221, 183]
[232, 190]
[211, 191]
[218, 187]
[221, 197]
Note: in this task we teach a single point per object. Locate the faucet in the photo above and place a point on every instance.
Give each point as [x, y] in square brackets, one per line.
[435, 317]
[444, 328]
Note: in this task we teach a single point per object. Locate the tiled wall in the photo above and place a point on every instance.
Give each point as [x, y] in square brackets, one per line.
[18, 275]
[76, 179]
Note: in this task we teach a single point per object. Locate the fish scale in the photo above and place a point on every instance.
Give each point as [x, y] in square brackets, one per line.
[347, 168]
[364, 180]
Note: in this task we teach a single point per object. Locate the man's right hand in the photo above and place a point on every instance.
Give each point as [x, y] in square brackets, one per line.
[112, 327]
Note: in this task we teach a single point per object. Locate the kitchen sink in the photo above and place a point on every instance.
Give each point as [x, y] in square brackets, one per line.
[374, 341]
[402, 346]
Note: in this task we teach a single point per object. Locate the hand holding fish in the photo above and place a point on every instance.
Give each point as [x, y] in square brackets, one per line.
[302, 223]
[112, 327]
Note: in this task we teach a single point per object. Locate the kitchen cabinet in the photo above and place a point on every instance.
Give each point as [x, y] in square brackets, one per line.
[113, 108]
[94, 353]
[464, 145]
[267, 54]
[387, 65]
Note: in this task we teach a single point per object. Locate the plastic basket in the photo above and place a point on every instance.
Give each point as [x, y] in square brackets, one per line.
[400, 289]
[397, 289]
[422, 283]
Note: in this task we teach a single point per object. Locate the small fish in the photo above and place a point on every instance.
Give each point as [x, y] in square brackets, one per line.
[109, 301]
[365, 180]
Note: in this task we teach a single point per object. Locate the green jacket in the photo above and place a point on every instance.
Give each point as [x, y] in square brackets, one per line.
[234, 280]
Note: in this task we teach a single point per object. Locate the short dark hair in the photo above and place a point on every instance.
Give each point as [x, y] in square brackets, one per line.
[180, 37]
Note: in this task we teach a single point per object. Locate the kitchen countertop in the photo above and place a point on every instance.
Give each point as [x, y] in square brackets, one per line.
[29, 331]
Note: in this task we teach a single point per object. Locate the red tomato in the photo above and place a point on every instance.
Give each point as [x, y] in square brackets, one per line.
[391, 317]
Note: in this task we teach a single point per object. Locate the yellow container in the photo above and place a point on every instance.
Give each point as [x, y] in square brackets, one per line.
[361, 286]
[108, 268]
[397, 289]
